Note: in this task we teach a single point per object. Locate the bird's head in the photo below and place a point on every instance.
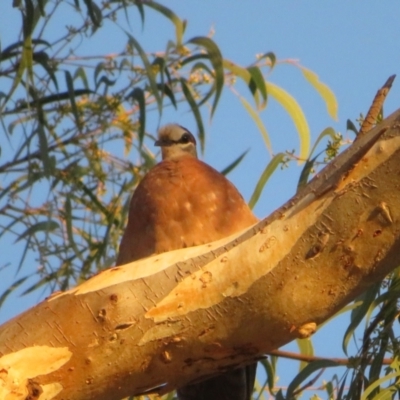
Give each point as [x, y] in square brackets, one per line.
[176, 141]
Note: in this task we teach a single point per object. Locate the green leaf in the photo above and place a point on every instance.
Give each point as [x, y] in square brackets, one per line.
[324, 91]
[326, 132]
[359, 313]
[342, 387]
[11, 288]
[167, 91]
[71, 94]
[48, 165]
[41, 4]
[9, 52]
[215, 56]
[97, 71]
[377, 383]
[45, 226]
[201, 65]
[237, 70]
[306, 372]
[68, 223]
[351, 127]
[256, 118]
[42, 58]
[139, 5]
[94, 13]
[26, 63]
[164, 87]
[246, 75]
[271, 167]
[107, 82]
[330, 390]
[196, 112]
[160, 61]
[305, 173]
[23, 256]
[80, 73]
[257, 82]
[21, 184]
[296, 113]
[149, 71]
[271, 56]
[179, 25]
[270, 372]
[137, 94]
[306, 349]
[393, 292]
[41, 282]
[168, 75]
[279, 395]
[28, 19]
[125, 5]
[377, 361]
[234, 164]
[194, 57]
[94, 200]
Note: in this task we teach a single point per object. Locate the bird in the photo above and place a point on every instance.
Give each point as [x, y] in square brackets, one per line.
[183, 202]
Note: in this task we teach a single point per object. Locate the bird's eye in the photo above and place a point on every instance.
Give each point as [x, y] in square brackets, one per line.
[185, 138]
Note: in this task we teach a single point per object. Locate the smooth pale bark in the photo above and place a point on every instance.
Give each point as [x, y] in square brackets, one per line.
[166, 320]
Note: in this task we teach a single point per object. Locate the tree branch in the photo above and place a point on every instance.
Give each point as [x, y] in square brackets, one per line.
[159, 323]
[348, 362]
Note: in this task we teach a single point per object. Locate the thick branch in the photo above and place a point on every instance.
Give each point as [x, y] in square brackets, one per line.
[173, 318]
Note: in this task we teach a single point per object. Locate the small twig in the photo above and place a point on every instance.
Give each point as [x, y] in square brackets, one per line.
[374, 110]
[309, 383]
[305, 358]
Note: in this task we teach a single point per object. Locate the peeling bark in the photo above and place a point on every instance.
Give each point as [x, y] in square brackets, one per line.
[164, 321]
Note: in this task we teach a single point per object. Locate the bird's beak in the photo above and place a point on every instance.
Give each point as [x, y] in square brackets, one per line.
[163, 142]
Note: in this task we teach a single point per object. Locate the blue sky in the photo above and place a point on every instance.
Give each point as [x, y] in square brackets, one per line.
[354, 46]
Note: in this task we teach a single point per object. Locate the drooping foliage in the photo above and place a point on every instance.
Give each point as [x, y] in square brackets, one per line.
[75, 144]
